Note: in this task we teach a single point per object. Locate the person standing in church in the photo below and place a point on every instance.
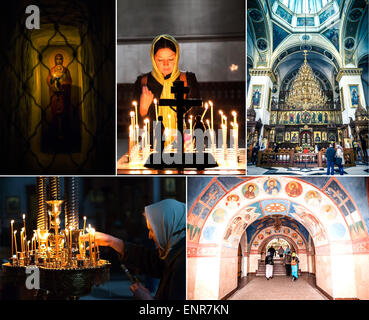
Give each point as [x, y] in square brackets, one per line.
[280, 251]
[330, 155]
[340, 160]
[158, 83]
[255, 150]
[294, 267]
[269, 266]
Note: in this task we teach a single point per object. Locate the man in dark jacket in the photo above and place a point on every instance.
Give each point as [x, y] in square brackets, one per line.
[330, 154]
[255, 150]
[272, 251]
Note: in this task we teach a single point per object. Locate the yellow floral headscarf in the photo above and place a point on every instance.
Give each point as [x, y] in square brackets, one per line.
[167, 84]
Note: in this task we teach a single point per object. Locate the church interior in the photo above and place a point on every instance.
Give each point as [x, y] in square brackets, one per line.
[307, 83]
[211, 37]
[98, 200]
[232, 222]
[57, 87]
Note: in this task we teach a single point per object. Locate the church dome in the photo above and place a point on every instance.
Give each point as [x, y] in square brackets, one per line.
[305, 6]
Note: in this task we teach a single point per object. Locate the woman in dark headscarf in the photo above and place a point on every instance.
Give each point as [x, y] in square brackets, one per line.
[158, 83]
[166, 222]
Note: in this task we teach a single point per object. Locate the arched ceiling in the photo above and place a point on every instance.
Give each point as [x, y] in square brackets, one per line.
[330, 209]
[317, 62]
[270, 221]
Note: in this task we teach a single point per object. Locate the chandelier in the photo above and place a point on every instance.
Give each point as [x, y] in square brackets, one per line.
[305, 92]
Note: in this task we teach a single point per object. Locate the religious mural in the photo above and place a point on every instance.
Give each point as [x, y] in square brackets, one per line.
[303, 117]
[272, 186]
[284, 14]
[279, 35]
[324, 217]
[256, 96]
[326, 14]
[309, 21]
[354, 95]
[332, 34]
[250, 190]
[293, 189]
[60, 117]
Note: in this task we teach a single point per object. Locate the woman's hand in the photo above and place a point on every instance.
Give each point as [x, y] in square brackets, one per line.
[145, 100]
[140, 292]
[106, 240]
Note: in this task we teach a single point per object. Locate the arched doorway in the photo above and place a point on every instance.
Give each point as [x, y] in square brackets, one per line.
[216, 231]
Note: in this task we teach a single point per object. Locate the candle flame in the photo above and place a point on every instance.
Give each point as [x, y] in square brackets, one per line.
[84, 218]
[146, 120]
[134, 103]
[15, 231]
[220, 112]
[155, 101]
[234, 113]
[132, 114]
[210, 103]
[24, 216]
[12, 221]
[206, 105]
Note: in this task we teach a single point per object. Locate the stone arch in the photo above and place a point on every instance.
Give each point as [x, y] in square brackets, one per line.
[320, 215]
[290, 241]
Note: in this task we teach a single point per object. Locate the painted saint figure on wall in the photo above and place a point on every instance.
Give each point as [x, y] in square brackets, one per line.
[59, 81]
[256, 98]
[271, 187]
[354, 90]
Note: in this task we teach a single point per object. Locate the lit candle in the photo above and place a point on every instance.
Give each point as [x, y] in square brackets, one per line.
[137, 133]
[93, 238]
[28, 242]
[132, 114]
[147, 131]
[24, 225]
[90, 243]
[134, 103]
[84, 224]
[224, 126]
[136, 114]
[15, 241]
[206, 109]
[234, 113]
[49, 220]
[156, 108]
[11, 226]
[212, 116]
[21, 239]
[221, 118]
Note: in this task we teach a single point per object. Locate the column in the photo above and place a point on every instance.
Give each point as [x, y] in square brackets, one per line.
[345, 78]
[263, 78]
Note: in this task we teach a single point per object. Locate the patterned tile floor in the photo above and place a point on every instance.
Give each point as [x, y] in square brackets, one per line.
[278, 288]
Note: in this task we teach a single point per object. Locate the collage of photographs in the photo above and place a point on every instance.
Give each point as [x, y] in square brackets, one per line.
[184, 150]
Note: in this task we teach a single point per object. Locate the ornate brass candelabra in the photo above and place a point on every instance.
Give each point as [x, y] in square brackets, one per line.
[66, 270]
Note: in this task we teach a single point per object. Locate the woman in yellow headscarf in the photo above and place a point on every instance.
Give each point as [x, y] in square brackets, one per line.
[157, 83]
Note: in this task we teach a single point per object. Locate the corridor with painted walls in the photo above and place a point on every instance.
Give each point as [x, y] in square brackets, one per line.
[231, 223]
